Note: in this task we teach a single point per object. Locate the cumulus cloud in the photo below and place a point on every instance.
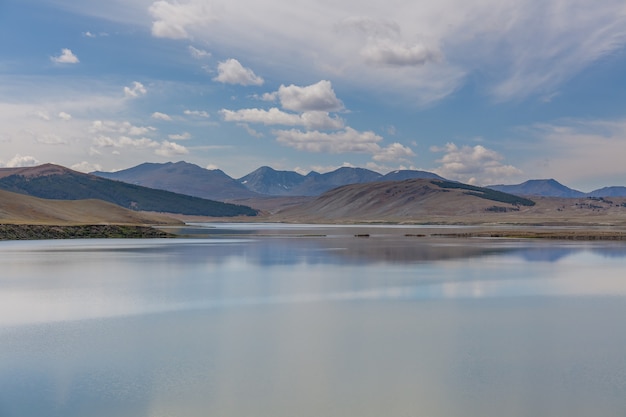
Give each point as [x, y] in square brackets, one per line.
[198, 53]
[65, 116]
[387, 52]
[197, 113]
[137, 89]
[86, 167]
[347, 140]
[384, 44]
[170, 149]
[232, 72]
[21, 161]
[161, 116]
[66, 57]
[174, 19]
[473, 165]
[274, 116]
[315, 97]
[180, 136]
[394, 152]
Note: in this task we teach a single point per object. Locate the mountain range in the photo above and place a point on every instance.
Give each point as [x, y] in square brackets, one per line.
[423, 197]
[185, 178]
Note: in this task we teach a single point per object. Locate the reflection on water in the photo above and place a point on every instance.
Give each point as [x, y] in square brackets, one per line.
[271, 324]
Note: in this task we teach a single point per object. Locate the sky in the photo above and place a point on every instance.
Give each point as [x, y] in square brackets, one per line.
[484, 92]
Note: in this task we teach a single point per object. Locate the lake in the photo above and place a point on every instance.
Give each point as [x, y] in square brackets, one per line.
[300, 320]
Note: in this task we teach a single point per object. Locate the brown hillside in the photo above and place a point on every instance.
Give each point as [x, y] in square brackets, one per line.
[424, 201]
[33, 172]
[21, 209]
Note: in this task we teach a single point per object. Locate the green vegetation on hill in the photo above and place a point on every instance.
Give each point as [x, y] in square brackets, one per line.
[487, 193]
[76, 186]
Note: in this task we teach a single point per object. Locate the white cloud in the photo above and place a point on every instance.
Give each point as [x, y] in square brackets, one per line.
[315, 97]
[324, 168]
[180, 136]
[136, 90]
[393, 152]
[252, 132]
[197, 113]
[120, 142]
[87, 167]
[199, 53]
[161, 116]
[125, 128]
[347, 140]
[90, 34]
[43, 115]
[212, 167]
[66, 57]
[21, 161]
[50, 139]
[473, 165]
[175, 19]
[232, 72]
[384, 44]
[274, 116]
[170, 149]
[579, 150]
[65, 116]
[386, 52]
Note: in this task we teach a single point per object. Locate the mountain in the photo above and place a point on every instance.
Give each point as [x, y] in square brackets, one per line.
[407, 174]
[23, 209]
[413, 200]
[60, 183]
[316, 183]
[608, 192]
[183, 178]
[542, 188]
[268, 181]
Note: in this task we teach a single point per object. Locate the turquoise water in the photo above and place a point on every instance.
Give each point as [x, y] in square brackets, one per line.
[312, 321]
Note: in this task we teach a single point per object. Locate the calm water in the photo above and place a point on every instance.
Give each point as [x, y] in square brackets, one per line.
[312, 321]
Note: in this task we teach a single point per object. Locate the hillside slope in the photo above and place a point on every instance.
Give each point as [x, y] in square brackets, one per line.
[60, 183]
[403, 200]
[445, 202]
[21, 209]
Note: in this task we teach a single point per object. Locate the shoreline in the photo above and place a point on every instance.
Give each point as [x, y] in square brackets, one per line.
[9, 231]
[92, 231]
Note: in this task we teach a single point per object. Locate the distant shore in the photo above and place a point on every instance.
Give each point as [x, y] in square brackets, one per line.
[112, 231]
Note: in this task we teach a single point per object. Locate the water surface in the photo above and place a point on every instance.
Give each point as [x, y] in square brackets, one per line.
[312, 321]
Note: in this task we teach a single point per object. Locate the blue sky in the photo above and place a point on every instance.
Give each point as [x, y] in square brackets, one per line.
[485, 92]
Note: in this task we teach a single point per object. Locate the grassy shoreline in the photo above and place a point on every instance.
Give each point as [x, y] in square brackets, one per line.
[97, 231]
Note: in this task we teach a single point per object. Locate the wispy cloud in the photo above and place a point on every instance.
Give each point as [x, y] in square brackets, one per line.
[137, 89]
[198, 53]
